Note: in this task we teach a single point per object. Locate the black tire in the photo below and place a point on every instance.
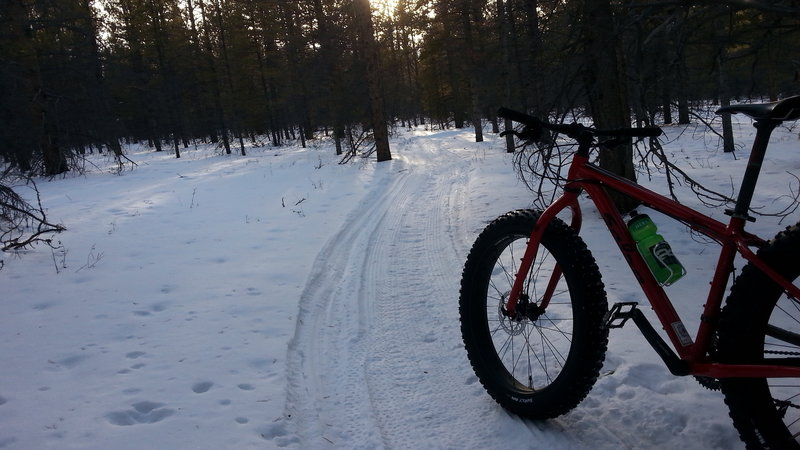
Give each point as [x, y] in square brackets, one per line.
[537, 367]
[766, 412]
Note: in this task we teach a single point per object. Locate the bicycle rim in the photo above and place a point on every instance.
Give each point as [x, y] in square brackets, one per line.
[534, 345]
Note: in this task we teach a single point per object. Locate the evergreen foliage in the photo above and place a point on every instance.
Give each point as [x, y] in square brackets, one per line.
[79, 76]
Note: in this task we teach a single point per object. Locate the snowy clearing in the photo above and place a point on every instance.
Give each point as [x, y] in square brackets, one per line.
[282, 300]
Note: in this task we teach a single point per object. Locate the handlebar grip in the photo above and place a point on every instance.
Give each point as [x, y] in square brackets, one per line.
[517, 116]
[650, 132]
[631, 132]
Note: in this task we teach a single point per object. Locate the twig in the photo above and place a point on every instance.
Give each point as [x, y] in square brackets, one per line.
[17, 216]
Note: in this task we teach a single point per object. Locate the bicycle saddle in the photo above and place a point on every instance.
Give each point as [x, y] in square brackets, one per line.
[786, 109]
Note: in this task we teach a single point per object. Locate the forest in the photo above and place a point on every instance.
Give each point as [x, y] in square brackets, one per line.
[81, 76]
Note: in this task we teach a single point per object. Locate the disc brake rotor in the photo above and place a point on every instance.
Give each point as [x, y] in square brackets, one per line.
[512, 325]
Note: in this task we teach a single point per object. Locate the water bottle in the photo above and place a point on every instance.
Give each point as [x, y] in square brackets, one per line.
[654, 249]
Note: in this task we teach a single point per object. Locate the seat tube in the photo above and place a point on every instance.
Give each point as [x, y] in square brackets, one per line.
[764, 130]
[719, 284]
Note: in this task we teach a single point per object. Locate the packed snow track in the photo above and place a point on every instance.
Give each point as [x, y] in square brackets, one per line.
[377, 359]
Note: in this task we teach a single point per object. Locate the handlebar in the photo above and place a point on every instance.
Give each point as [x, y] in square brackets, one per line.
[534, 126]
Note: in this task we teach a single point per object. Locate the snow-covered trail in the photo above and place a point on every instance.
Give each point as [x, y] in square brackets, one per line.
[282, 300]
[377, 359]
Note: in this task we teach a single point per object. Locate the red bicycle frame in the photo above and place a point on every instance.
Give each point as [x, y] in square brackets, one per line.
[584, 176]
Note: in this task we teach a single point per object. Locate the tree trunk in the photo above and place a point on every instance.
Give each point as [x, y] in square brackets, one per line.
[725, 100]
[330, 78]
[473, 70]
[108, 128]
[722, 80]
[532, 78]
[214, 82]
[54, 160]
[223, 46]
[369, 51]
[20, 115]
[683, 97]
[606, 89]
[294, 48]
[504, 32]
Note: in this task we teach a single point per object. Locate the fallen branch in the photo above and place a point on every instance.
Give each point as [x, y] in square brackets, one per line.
[22, 224]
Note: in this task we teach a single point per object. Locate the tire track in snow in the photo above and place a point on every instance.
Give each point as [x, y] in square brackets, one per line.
[424, 392]
[377, 359]
[326, 356]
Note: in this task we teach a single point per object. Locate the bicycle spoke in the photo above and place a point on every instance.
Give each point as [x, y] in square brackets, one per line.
[793, 301]
[553, 349]
[536, 273]
[555, 325]
[501, 351]
[532, 359]
[543, 360]
[793, 318]
[509, 276]
[556, 330]
[541, 363]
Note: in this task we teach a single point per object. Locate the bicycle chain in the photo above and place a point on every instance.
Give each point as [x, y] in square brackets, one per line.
[779, 352]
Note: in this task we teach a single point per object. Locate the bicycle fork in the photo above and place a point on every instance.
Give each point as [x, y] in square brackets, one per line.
[568, 200]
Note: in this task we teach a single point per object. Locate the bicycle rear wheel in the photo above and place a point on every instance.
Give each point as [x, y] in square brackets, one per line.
[760, 322]
[543, 362]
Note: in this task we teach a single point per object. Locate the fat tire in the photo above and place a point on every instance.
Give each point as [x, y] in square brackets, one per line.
[582, 360]
[750, 307]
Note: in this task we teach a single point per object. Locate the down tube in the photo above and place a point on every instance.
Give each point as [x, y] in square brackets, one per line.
[678, 335]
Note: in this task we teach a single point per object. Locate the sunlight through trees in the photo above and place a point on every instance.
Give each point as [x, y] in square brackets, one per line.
[84, 75]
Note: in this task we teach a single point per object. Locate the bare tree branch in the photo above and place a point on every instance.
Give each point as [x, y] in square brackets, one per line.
[22, 224]
[542, 167]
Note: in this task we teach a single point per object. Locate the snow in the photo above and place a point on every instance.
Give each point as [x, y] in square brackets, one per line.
[282, 300]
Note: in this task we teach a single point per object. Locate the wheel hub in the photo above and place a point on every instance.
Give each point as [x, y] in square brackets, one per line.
[524, 313]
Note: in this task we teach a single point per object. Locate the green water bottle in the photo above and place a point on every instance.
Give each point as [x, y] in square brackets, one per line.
[654, 249]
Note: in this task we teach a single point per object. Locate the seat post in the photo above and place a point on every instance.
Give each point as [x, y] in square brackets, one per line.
[764, 129]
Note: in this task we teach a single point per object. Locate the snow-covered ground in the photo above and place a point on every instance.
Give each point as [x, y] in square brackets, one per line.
[283, 300]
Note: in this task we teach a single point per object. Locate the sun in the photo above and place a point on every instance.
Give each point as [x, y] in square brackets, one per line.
[384, 7]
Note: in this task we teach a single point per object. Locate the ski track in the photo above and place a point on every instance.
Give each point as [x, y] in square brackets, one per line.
[354, 370]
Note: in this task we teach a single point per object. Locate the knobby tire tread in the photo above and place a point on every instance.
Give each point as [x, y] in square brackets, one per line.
[741, 340]
[590, 341]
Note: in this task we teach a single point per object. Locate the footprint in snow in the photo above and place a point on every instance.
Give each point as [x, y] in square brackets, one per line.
[167, 288]
[278, 434]
[69, 362]
[202, 387]
[429, 337]
[142, 413]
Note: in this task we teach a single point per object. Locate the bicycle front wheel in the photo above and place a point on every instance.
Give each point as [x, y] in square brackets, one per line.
[543, 361]
[761, 324]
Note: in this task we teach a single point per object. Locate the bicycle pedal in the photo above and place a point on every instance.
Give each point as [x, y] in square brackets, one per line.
[619, 314]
